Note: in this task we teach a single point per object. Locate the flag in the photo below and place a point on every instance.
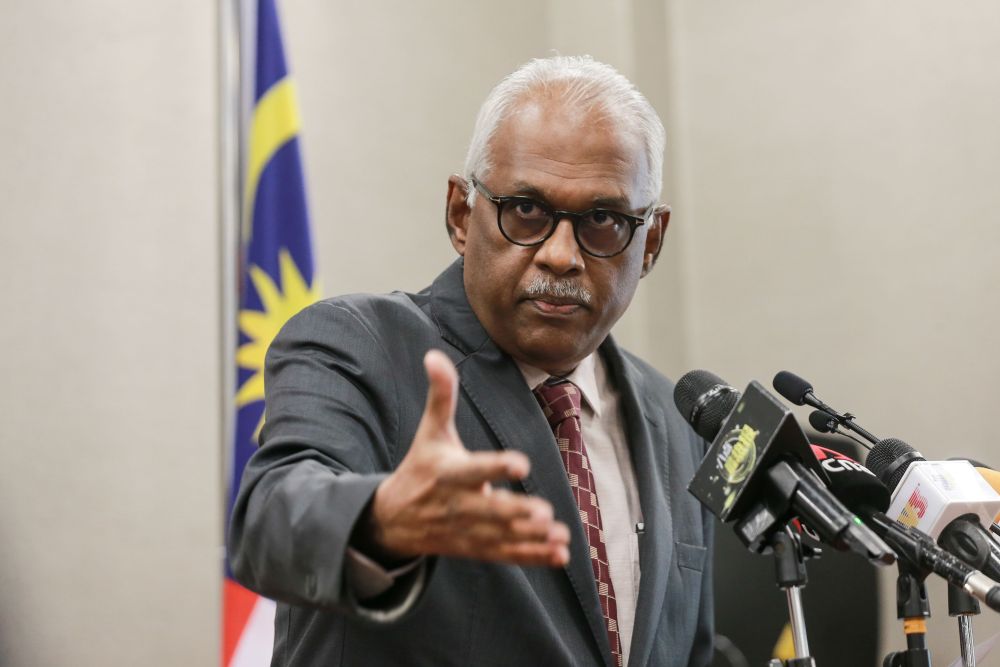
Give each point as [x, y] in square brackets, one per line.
[276, 280]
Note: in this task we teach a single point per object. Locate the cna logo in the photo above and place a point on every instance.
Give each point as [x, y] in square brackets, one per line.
[916, 507]
[833, 461]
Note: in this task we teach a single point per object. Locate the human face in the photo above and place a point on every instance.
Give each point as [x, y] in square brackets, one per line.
[573, 161]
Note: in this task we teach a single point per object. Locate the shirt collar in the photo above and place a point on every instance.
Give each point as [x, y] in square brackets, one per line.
[584, 376]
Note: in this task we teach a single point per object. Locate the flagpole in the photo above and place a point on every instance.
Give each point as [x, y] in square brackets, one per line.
[230, 203]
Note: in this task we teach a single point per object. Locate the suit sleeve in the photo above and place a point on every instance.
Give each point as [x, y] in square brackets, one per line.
[330, 437]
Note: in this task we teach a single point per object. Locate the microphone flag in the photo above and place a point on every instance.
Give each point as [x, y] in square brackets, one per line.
[932, 494]
[276, 280]
[756, 434]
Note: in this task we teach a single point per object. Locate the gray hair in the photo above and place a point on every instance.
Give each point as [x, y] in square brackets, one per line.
[580, 82]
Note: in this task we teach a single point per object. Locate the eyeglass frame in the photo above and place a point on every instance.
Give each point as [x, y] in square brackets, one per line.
[558, 216]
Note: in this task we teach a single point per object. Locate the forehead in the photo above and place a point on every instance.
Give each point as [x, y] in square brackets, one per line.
[572, 156]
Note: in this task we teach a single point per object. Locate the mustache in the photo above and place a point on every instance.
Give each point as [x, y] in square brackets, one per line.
[560, 288]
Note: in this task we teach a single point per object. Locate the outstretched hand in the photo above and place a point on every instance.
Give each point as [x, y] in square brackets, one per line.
[440, 500]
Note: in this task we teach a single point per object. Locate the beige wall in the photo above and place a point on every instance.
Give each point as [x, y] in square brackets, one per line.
[832, 168]
[836, 173]
[109, 383]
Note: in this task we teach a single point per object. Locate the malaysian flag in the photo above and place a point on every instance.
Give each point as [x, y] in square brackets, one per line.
[276, 280]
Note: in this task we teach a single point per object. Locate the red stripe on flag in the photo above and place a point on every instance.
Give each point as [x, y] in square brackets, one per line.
[237, 604]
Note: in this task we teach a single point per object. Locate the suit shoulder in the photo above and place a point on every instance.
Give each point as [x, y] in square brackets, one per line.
[663, 387]
[379, 315]
[655, 379]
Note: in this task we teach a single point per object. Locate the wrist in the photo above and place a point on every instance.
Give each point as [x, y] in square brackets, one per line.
[369, 534]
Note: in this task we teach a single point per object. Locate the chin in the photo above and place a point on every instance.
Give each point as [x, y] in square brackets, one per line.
[554, 357]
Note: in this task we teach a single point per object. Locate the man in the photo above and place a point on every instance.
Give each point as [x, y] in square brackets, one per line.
[430, 489]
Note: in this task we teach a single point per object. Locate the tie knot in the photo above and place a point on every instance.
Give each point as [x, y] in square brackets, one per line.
[559, 400]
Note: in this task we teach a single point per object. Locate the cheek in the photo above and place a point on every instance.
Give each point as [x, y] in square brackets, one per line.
[620, 288]
[490, 270]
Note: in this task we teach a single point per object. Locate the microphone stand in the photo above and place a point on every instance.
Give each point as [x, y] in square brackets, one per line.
[913, 608]
[790, 574]
[964, 606]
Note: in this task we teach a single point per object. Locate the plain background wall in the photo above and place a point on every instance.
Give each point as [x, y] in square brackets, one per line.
[832, 168]
[109, 373]
[837, 173]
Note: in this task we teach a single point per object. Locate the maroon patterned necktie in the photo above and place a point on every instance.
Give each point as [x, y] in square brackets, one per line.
[560, 402]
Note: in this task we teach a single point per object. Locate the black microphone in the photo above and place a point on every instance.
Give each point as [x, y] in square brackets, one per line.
[796, 389]
[800, 392]
[822, 422]
[757, 470]
[889, 459]
[705, 400]
[863, 493]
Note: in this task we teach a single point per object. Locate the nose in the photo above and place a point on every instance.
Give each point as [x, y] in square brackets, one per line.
[560, 253]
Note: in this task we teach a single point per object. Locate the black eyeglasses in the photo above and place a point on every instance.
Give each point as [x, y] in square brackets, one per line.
[527, 222]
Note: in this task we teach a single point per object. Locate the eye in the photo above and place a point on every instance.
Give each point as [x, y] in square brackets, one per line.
[527, 209]
[601, 218]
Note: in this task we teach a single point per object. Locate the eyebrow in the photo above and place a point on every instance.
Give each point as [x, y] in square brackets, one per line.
[527, 190]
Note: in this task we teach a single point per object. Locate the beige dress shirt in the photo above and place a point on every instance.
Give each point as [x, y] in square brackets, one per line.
[614, 476]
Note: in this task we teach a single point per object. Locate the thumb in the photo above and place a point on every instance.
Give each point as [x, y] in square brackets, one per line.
[442, 393]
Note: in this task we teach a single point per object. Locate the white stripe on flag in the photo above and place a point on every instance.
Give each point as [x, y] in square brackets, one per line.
[257, 641]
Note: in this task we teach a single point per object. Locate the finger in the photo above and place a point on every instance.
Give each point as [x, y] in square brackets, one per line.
[487, 522]
[492, 542]
[481, 467]
[558, 534]
[532, 530]
[528, 553]
[442, 392]
[500, 507]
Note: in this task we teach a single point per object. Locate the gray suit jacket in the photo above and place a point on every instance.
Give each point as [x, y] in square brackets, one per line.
[345, 392]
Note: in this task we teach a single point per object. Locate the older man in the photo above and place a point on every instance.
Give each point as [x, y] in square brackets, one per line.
[476, 474]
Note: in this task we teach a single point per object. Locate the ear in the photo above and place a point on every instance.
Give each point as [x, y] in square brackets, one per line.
[654, 238]
[457, 214]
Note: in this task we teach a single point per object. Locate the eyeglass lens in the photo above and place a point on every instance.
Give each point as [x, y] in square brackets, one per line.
[527, 222]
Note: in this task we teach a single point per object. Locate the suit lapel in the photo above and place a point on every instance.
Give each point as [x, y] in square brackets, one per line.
[497, 390]
[645, 430]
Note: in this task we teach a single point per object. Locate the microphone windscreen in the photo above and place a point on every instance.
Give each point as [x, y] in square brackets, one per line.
[690, 388]
[821, 421]
[714, 414]
[860, 491]
[705, 400]
[890, 458]
[791, 386]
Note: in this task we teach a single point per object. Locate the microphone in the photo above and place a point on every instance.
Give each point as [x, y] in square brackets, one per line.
[797, 390]
[860, 490]
[822, 422]
[889, 459]
[800, 392]
[948, 500]
[759, 470]
[705, 400]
